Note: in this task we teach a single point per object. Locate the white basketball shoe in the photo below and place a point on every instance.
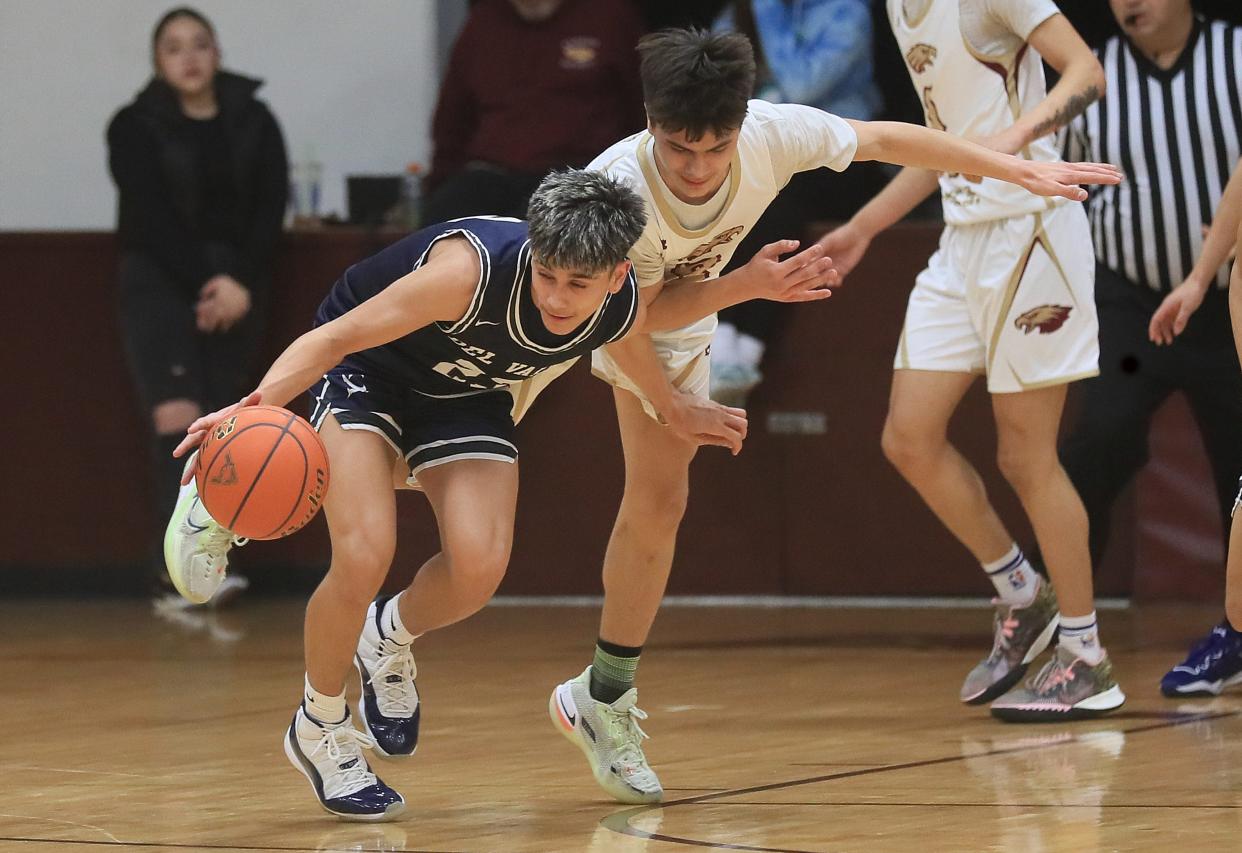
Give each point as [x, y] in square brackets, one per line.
[610, 738]
[196, 549]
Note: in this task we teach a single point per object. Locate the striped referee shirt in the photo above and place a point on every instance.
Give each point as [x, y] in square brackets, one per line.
[1175, 133]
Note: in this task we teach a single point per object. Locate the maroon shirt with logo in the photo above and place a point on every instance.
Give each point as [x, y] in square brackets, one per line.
[529, 96]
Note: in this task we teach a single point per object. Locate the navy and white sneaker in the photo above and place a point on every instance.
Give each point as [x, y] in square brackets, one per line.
[389, 706]
[1213, 664]
[330, 757]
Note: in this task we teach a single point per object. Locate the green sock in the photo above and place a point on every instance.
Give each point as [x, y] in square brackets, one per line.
[612, 671]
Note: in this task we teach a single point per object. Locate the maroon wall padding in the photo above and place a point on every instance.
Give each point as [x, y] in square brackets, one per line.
[809, 507]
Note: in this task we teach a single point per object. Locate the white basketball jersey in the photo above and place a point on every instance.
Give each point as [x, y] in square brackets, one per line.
[775, 141]
[976, 75]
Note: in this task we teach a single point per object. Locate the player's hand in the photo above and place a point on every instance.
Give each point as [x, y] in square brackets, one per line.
[1063, 179]
[702, 421]
[804, 277]
[222, 302]
[197, 431]
[1170, 319]
[846, 244]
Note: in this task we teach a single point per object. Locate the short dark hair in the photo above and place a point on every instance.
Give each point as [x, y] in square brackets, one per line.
[584, 220]
[695, 80]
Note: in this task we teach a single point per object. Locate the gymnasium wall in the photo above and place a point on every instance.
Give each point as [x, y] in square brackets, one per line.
[352, 83]
[810, 507]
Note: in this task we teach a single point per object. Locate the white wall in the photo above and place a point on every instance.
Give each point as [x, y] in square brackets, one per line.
[354, 81]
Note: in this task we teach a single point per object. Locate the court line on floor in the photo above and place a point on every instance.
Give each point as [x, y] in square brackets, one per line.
[619, 822]
[98, 829]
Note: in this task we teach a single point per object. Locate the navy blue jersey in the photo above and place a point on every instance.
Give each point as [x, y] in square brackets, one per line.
[500, 340]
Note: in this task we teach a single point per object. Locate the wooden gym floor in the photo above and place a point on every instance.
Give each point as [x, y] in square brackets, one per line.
[772, 730]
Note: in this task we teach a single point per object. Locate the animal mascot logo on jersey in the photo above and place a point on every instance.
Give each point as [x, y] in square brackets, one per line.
[921, 57]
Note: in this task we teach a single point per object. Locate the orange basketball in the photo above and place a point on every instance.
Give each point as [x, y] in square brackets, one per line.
[262, 472]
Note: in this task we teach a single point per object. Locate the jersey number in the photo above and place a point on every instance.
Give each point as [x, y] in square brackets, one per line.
[460, 370]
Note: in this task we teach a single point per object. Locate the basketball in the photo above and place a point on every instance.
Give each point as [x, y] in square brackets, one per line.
[262, 472]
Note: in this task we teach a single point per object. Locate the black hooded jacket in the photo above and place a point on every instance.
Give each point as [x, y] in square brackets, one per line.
[155, 163]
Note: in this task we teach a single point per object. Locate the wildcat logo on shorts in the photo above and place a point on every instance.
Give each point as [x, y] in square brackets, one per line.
[1046, 318]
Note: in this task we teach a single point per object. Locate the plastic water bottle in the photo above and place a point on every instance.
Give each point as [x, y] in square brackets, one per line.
[411, 196]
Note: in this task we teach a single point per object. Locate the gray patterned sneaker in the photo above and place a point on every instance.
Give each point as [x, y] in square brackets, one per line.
[1020, 635]
[1067, 688]
[610, 738]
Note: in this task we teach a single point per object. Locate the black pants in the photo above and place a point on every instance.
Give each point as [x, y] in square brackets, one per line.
[821, 194]
[1108, 444]
[480, 191]
[170, 359]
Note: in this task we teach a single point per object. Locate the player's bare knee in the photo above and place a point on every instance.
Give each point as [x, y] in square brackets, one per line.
[1024, 468]
[478, 563]
[361, 561]
[655, 506]
[175, 416]
[904, 447]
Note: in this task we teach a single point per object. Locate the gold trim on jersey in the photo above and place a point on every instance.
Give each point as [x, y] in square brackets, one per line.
[1011, 288]
[1008, 62]
[657, 188]
[1048, 383]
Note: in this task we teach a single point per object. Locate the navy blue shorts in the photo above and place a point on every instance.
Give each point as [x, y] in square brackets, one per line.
[425, 431]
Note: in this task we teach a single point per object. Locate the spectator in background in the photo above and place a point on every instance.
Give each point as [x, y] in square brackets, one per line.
[1173, 87]
[1171, 120]
[813, 52]
[531, 85]
[202, 178]
[1215, 662]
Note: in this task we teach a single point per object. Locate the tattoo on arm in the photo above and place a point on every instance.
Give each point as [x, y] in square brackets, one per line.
[1075, 106]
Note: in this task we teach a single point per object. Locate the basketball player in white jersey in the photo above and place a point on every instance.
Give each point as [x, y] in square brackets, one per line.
[1009, 294]
[709, 164]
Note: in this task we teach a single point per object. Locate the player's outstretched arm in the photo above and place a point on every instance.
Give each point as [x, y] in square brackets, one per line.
[440, 290]
[1174, 313]
[696, 419]
[804, 277]
[911, 145]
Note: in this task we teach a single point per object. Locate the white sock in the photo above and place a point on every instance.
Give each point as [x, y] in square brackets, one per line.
[748, 349]
[1081, 636]
[390, 622]
[724, 345]
[1015, 581]
[326, 709]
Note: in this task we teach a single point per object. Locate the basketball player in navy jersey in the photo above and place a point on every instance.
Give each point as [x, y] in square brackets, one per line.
[424, 356]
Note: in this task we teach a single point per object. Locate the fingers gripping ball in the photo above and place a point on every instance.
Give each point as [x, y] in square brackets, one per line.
[262, 472]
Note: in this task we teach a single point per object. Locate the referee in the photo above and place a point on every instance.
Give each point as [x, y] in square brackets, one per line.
[1171, 120]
